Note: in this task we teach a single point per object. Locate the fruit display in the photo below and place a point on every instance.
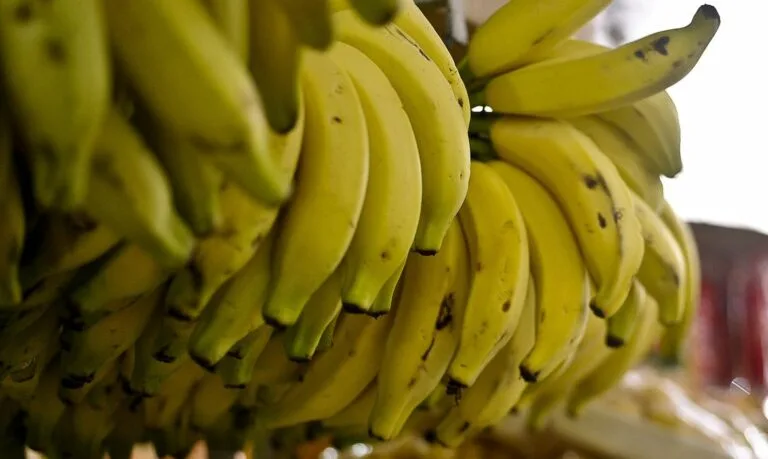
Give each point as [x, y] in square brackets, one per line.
[344, 245]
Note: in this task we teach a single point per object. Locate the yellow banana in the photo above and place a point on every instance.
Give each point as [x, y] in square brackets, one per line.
[234, 311]
[335, 378]
[621, 326]
[626, 156]
[55, 65]
[245, 224]
[326, 339]
[392, 202]
[652, 123]
[436, 119]
[232, 19]
[612, 369]
[499, 386]
[591, 193]
[594, 83]
[210, 399]
[236, 368]
[190, 78]
[424, 334]
[275, 62]
[356, 413]
[311, 21]
[499, 254]
[673, 337]
[12, 211]
[320, 221]
[264, 362]
[388, 294]
[663, 272]
[559, 271]
[323, 307]
[521, 29]
[129, 192]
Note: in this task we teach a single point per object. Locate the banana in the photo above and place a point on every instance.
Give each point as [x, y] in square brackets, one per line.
[245, 224]
[626, 156]
[521, 29]
[104, 341]
[389, 293]
[377, 12]
[589, 84]
[190, 78]
[21, 350]
[276, 61]
[323, 307]
[559, 271]
[499, 254]
[652, 123]
[621, 326]
[311, 21]
[15, 322]
[424, 335]
[673, 337]
[231, 17]
[130, 272]
[44, 409]
[22, 382]
[320, 221]
[335, 378]
[356, 413]
[390, 213]
[436, 119]
[129, 430]
[612, 369]
[326, 339]
[663, 271]
[499, 386]
[55, 65]
[417, 27]
[162, 410]
[147, 374]
[591, 194]
[12, 212]
[69, 242]
[75, 395]
[236, 368]
[210, 399]
[234, 311]
[262, 363]
[129, 193]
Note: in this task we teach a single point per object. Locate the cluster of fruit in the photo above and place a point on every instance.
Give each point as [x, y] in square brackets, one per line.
[223, 217]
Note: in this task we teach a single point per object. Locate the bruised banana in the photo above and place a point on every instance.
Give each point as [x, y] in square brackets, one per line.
[424, 334]
[590, 191]
[390, 213]
[14, 222]
[498, 248]
[436, 119]
[560, 275]
[320, 221]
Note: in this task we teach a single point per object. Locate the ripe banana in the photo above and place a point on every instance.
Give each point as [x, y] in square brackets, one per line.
[594, 83]
[589, 190]
[276, 59]
[390, 213]
[234, 311]
[320, 221]
[436, 119]
[499, 386]
[236, 368]
[652, 123]
[424, 335]
[673, 337]
[663, 271]
[129, 192]
[311, 21]
[12, 213]
[323, 307]
[499, 256]
[621, 326]
[245, 224]
[626, 156]
[612, 369]
[336, 377]
[521, 29]
[55, 65]
[232, 19]
[558, 268]
[389, 293]
[192, 79]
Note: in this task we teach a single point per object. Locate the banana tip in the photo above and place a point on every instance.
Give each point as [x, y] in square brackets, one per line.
[275, 323]
[596, 310]
[353, 308]
[709, 12]
[528, 375]
[614, 342]
[203, 362]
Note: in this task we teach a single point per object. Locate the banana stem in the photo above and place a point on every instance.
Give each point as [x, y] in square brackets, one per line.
[477, 98]
[481, 149]
[465, 72]
[480, 124]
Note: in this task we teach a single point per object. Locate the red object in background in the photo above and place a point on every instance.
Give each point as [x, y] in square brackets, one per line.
[748, 299]
[709, 343]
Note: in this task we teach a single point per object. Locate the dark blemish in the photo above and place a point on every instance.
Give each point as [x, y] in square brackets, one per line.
[412, 382]
[55, 50]
[542, 37]
[599, 313]
[445, 316]
[464, 427]
[300, 377]
[274, 323]
[479, 266]
[591, 182]
[430, 436]
[76, 381]
[385, 255]
[299, 359]
[675, 279]
[614, 342]
[23, 12]
[677, 64]
[460, 100]
[426, 252]
[414, 44]
[617, 215]
[660, 45]
[506, 306]
[640, 54]
[179, 315]
[352, 352]
[203, 363]
[542, 315]
[336, 120]
[601, 220]
[426, 353]
[528, 375]
[602, 182]
[235, 354]
[235, 386]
